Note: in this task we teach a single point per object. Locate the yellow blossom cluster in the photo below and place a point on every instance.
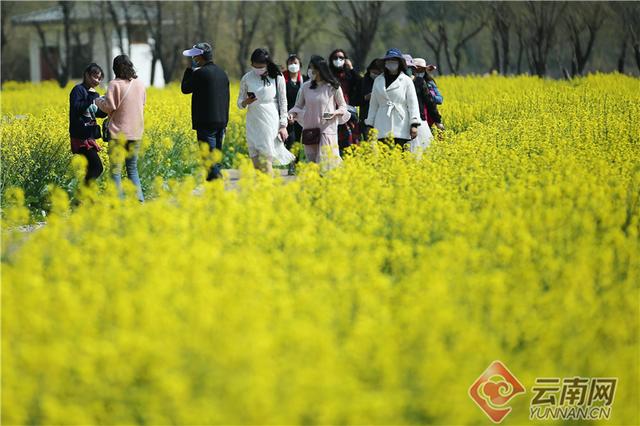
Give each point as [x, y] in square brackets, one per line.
[375, 293]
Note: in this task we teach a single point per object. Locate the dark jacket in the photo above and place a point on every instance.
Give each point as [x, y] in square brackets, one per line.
[366, 86]
[81, 124]
[209, 86]
[350, 83]
[293, 87]
[426, 102]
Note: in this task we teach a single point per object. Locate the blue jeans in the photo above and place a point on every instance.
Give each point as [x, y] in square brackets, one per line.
[214, 139]
[131, 164]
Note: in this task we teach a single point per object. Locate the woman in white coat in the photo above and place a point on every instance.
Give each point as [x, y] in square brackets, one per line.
[393, 109]
[263, 92]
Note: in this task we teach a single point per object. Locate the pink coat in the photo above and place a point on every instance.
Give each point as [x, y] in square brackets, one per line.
[126, 116]
[312, 103]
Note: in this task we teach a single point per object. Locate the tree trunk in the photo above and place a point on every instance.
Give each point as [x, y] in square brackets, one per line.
[437, 54]
[359, 25]
[520, 52]
[116, 25]
[201, 12]
[246, 27]
[496, 53]
[623, 55]
[445, 45]
[505, 52]
[6, 12]
[66, 20]
[105, 38]
[154, 59]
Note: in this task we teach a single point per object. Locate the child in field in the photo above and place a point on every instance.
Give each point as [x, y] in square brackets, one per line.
[83, 128]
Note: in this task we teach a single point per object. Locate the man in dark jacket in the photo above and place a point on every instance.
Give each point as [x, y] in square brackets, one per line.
[209, 86]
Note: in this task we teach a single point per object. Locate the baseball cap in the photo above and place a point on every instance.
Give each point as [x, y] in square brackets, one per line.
[198, 49]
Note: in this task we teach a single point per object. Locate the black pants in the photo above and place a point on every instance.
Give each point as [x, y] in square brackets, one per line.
[213, 138]
[295, 134]
[94, 164]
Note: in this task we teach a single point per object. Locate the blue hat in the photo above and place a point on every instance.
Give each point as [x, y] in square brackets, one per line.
[394, 54]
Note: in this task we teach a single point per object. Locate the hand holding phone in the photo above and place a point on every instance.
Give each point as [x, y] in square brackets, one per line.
[327, 115]
[251, 98]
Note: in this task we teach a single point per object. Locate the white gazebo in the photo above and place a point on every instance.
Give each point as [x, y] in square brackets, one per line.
[95, 37]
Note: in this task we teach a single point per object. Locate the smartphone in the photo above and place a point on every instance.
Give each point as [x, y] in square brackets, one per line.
[327, 115]
[251, 94]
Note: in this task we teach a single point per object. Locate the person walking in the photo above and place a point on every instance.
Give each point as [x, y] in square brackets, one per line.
[208, 85]
[263, 92]
[294, 80]
[320, 108]
[432, 96]
[366, 86]
[124, 102]
[350, 82]
[423, 139]
[83, 128]
[394, 105]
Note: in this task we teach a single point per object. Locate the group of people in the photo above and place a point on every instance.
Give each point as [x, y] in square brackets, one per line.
[397, 96]
[122, 105]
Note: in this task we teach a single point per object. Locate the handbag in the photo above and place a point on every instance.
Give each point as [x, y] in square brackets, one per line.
[95, 132]
[95, 128]
[106, 133]
[311, 136]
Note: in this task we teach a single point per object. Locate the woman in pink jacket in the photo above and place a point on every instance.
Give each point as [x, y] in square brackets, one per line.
[320, 108]
[124, 102]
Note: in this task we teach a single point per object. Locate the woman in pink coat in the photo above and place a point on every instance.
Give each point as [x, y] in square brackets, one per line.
[124, 102]
[321, 105]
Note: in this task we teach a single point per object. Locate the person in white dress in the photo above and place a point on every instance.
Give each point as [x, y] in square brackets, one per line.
[263, 92]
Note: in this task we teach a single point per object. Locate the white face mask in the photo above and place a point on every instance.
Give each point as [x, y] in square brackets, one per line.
[311, 73]
[338, 63]
[259, 71]
[293, 67]
[392, 66]
[419, 74]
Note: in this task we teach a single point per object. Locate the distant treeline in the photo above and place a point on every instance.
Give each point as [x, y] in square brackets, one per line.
[556, 39]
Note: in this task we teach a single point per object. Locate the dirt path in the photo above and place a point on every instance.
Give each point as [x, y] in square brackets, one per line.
[230, 183]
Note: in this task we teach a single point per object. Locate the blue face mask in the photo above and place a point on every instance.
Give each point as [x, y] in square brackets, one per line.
[194, 63]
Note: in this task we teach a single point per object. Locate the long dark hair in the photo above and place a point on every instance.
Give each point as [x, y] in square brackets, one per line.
[321, 66]
[261, 56]
[123, 68]
[428, 76]
[375, 65]
[332, 56]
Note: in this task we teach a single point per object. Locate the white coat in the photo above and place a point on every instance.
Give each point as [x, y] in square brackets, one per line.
[395, 108]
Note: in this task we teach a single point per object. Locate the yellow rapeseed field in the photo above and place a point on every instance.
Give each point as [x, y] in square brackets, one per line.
[374, 294]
